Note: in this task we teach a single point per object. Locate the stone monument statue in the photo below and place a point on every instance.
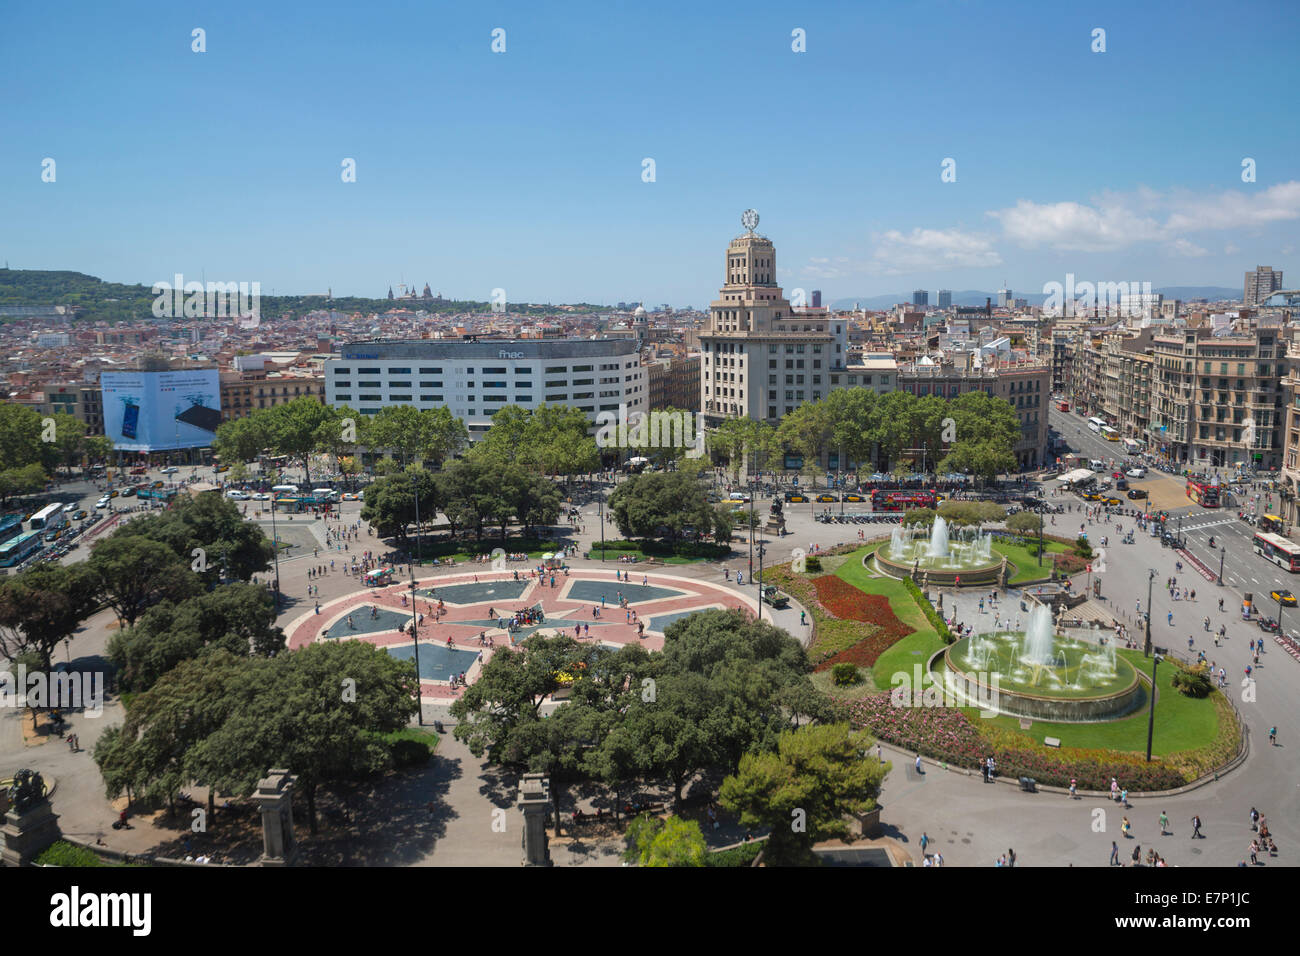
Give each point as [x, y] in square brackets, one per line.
[534, 800]
[274, 796]
[29, 823]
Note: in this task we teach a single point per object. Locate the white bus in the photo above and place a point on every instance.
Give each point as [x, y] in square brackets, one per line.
[1132, 446]
[49, 518]
[1096, 424]
[285, 489]
[1281, 551]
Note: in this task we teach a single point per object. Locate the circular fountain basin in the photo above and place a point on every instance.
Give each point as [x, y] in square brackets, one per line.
[1080, 684]
[941, 571]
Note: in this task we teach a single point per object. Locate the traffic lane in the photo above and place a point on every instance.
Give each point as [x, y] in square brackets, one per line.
[1243, 570]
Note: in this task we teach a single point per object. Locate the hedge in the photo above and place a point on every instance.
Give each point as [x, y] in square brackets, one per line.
[936, 620]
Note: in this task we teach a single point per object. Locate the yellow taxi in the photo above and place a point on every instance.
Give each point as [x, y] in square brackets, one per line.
[825, 498]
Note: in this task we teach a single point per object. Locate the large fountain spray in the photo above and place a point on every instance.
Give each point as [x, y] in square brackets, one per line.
[1039, 637]
[939, 539]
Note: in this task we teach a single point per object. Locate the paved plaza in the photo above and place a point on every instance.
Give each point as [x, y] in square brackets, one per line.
[463, 617]
[969, 822]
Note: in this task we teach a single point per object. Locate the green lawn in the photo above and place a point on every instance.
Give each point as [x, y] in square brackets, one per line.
[612, 555]
[1027, 568]
[917, 647]
[1182, 723]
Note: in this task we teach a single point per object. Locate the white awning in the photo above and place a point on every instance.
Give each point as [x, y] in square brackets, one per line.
[1070, 477]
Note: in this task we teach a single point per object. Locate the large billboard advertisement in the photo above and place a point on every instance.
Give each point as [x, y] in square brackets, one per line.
[157, 411]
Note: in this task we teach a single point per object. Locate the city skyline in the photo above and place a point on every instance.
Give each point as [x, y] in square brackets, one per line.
[523, 170]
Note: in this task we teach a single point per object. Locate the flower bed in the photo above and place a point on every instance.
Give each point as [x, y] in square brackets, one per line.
[846, 602]
[947, 734]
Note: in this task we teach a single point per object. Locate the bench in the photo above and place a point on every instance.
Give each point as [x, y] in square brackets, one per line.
[1052, 742]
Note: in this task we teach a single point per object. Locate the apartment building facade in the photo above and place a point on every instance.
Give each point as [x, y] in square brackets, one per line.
[1218, 400]
[243, 393]
[1026, 387]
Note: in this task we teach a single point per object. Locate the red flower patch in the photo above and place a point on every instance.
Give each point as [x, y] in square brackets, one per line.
[846, 602]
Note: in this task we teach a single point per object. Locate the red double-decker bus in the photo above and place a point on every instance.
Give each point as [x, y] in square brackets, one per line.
[903, 500]
[1202, 491]
[1062, 406]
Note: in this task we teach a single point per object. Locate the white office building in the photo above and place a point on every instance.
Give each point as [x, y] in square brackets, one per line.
[475, 379]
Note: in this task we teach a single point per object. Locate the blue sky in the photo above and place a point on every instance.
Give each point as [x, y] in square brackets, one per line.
[523, 170]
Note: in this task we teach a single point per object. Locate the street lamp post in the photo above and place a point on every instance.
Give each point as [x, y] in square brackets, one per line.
[415, 641]
[751, 517]
[600, 505]
[275, 542]
[1151, 711]
[1151, 580]
[1223, 550]
[761, 551]
[1042, 510]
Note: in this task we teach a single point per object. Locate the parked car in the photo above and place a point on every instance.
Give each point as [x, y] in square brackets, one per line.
[350, 496]
[1136, 494]
[234, 494]
[825, 498]
[261, 496]
[170, 470]
[1138, 472]
[139, 471]
[81, 515]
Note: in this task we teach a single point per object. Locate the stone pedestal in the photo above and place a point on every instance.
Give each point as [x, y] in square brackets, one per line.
[775, 525]
[26, 834]
[534, 800]
[274, 797]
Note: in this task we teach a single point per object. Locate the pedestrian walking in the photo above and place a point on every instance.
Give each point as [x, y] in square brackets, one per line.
[1272, 736]
[918, 763]
[1074, 789]
[1196, 828]
[1164, 823]
[1114, 854]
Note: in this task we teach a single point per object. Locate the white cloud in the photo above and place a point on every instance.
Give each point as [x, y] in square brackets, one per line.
[1115, 221]
[1072, 225]
[1181, 247]
[926, 249]
[921, 250]
[1230, 249]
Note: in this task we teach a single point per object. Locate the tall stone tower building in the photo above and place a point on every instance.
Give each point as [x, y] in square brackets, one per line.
[762, 358]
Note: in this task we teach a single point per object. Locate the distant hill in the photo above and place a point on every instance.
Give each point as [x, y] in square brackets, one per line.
[100, 301]
[974, 297]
